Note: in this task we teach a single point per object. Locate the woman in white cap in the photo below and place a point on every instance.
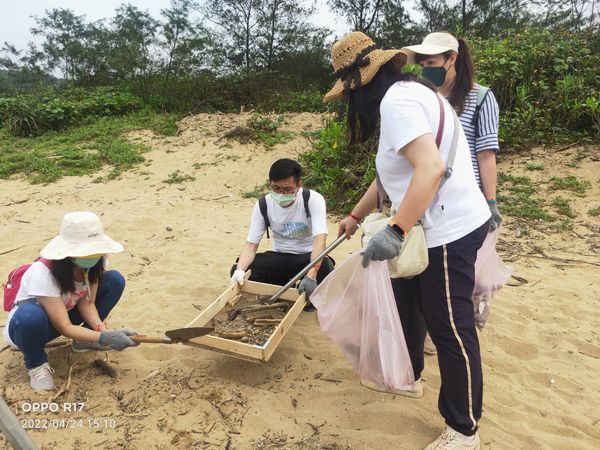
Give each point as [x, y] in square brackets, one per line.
[416, 130]
[65, 288]
[446, 61]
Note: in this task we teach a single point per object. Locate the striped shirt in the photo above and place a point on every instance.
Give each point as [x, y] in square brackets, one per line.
[487, 137]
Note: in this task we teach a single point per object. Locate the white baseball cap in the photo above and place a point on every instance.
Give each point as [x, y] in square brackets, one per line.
[433, 44]
[81, 234]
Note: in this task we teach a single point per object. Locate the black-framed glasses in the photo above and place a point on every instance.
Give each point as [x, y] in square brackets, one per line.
[283, 190]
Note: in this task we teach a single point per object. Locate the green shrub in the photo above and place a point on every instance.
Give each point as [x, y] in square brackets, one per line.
[546, 83]
[267, 130]
[31, 114]
[340, 172]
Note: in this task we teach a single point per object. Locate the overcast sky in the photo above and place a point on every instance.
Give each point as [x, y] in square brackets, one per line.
[16, 15]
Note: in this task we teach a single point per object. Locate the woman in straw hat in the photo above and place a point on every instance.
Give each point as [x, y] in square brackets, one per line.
[413, 121]
[446, 61]
[68, 286]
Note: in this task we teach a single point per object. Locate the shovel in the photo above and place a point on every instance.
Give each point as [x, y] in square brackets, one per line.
[173, 336]
[304, 271]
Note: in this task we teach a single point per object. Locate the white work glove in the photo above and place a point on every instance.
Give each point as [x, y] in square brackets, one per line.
[238, 277]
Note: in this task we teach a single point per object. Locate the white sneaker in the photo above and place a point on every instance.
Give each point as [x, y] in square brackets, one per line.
[453, 440]
[415, 392]
[429, 347]
[40, 377]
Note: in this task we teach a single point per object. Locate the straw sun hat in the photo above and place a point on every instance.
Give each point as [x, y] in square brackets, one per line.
[81, 234]
[356, 52]
[433, 44]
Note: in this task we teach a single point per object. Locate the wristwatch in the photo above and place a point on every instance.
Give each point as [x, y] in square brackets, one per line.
[397, 230]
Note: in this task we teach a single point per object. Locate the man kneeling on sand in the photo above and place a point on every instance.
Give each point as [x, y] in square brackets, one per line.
[298, 221]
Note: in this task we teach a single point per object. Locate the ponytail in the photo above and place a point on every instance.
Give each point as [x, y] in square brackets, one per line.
[464, 76]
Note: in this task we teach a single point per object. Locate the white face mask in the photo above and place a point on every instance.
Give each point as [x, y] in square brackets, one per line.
[283, 200]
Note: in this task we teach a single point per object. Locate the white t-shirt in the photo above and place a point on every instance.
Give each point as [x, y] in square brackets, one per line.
[410, 110]
[291, 230]
[38, 281]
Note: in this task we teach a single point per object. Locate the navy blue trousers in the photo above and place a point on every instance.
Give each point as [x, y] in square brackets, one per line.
[439, 301]
[30, 328]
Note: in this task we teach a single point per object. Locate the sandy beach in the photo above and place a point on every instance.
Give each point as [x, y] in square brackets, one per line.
[540, 348]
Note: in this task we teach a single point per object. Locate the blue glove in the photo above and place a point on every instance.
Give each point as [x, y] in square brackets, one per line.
[118, 339]
[307, 285]
[386, 244]
[496, 218]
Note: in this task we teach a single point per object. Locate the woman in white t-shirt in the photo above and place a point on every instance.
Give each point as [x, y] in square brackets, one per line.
[411, 117]
[64, 289]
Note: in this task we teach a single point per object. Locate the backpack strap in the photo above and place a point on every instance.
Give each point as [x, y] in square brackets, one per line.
[262, 205]
[46, 262]
[306, 197]
[481, 96]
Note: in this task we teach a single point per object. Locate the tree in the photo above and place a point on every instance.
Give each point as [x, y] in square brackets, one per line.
[281, 28]
[363, 15]
[133, 41]
[238, 20]
[182, 40]
[23, 70]
[397, 28]
[62, 31]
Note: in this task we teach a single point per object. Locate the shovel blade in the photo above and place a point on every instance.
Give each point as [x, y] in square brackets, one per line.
[185, 334]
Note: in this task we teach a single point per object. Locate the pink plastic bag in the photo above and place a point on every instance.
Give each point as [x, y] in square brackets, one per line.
[491, 274]
[357, 310]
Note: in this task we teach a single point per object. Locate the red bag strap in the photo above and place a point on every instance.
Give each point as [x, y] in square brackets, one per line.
[46, 262]
[438, 138]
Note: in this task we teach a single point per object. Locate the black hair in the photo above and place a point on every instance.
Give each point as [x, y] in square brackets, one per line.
[465, 72]
[364, 101]
[285, 168]
[62, 269]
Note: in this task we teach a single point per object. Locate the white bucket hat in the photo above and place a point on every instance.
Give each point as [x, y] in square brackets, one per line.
[433, 44]
[81, 234]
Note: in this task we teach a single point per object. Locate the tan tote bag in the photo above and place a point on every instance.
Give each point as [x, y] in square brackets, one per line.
[414, 256]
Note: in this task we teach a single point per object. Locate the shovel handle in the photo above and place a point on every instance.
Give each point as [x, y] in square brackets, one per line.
[304, 271]
[143, 339]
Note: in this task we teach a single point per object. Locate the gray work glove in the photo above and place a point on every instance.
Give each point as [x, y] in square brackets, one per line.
[307, 285]
[496, 218]
[386, 244]
[117, 339]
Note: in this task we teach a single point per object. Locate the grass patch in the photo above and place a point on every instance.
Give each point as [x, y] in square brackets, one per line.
[534, 166]
[516, 197]
[594, 211]
[563, 207]
[570, 183]
[566, 225]
[82, 150]
[267, 130]
[258, 192]
[178, 177]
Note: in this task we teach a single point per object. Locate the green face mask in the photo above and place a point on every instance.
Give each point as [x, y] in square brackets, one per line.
[86, 263]
[283, 200]
[437, 75]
